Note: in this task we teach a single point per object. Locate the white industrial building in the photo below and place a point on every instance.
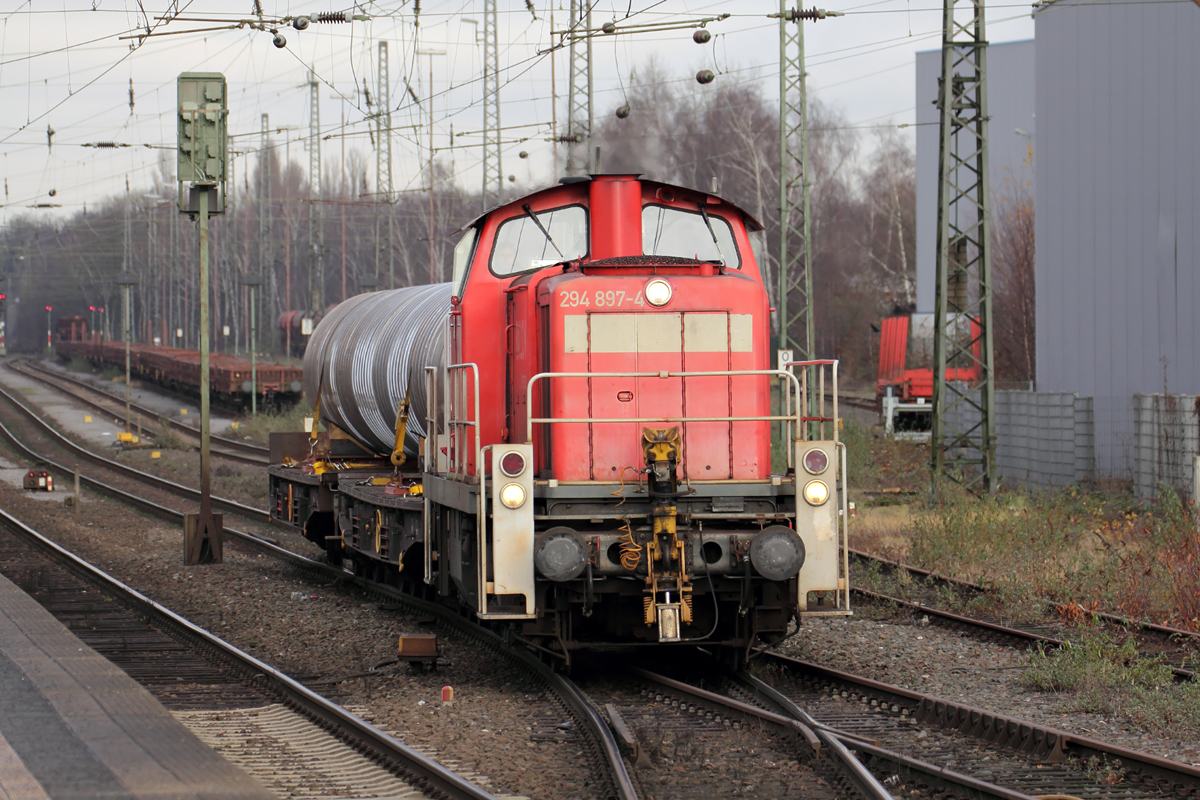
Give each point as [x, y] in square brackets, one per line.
[1113, 86]
[1118, 211]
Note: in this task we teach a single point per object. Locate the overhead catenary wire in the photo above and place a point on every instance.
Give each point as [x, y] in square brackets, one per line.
[511, 71]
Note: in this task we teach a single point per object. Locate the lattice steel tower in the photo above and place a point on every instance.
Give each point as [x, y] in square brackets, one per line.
[316, 239]
[264, 196]
[579, 98]
[493, 174]
[383, 156]
[795, 189]
[964, 425]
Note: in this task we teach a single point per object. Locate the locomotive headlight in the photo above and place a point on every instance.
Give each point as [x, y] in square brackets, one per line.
[513, 495]
[816, 493]
[658, 292]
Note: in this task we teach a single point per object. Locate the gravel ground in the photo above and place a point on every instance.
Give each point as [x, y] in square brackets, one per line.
[957, 667]
[322, 634]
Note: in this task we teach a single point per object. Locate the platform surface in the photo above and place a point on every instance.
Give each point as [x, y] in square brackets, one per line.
[73, 725]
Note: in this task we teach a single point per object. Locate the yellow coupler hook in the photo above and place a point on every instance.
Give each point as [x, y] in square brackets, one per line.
[660, 446]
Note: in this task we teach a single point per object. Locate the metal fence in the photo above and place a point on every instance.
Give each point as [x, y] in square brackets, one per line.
[1059, 439]
[1044, 438]
[1167, 438]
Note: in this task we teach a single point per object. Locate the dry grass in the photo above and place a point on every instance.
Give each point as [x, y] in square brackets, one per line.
[877, 462]
[257, 428]
[1089, 550]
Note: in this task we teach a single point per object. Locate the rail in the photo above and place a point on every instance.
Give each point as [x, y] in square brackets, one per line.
[365, 736]
[1034, 739]
[99, 460]
[49, 378]
[439, 778]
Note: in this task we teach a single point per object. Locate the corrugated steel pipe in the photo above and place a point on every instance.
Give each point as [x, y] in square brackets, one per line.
[367, 351]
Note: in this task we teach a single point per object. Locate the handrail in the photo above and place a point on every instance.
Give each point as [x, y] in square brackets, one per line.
[431, 411]
[664, 374]
[455, 401]
[481, 532]
[817, 402]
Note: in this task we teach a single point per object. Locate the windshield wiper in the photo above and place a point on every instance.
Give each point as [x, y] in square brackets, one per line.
[707, 224]
[529, 213]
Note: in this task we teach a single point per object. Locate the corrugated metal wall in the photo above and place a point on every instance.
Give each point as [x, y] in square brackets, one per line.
[1011, 86]
[1118, 207]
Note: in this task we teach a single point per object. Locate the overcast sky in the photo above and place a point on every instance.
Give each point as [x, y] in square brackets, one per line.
[69, 69]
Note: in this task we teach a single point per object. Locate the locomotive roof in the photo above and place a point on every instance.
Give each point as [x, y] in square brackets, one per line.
[752, 224]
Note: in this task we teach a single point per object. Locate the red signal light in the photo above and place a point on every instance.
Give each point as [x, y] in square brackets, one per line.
[47, 308]
[91, 308]
[816, 462]
[512, 464]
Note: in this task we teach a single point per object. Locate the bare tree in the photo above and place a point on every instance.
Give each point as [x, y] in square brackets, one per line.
[1014, 298]
[887, 234]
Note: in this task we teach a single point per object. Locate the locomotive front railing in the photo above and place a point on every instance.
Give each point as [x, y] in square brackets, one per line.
[792, 419]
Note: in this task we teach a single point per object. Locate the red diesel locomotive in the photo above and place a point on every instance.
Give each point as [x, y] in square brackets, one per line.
[576, 436]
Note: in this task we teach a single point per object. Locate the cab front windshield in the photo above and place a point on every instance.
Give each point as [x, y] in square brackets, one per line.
[522, 244]
[670, 231]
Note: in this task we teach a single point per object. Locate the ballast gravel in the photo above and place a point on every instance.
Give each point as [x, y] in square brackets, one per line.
[955, 666]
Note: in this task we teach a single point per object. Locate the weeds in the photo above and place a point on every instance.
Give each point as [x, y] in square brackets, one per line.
[1104, 674]
[79, 364]
[1100, 770]
[878, 462]
[1097, 551]
[167, 439]
[259, 427]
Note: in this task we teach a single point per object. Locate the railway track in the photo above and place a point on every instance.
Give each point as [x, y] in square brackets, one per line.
[706, 745]
[600, 742]
[924, 594]
[909, 742]
[110, 405]
[902, 741]
[1020, 756]
[193, 671]
[826, 709]
[84, 454]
